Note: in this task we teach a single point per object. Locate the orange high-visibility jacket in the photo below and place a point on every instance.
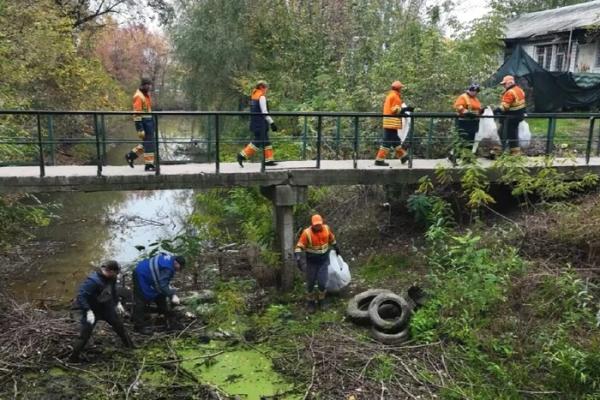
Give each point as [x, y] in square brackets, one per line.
[141, 104]
[465, 103]
[392, 105]
[315, 242]
[513, 99]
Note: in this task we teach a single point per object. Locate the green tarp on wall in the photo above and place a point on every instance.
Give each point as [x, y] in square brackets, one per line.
[552, 91]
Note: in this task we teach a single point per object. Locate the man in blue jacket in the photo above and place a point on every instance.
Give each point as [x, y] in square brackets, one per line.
[97, 299]
[151, 283]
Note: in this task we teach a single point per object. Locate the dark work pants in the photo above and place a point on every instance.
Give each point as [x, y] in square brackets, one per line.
[140, 303]
[148, 124]
[261, 138]
[512, 129]
[390, 138]
[316, 271]
[107, 313]
[467, 128]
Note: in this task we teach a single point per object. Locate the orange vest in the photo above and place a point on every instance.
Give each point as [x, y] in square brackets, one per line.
[465, 103]
[392, 105]
[315, 242]
[141, 104]
[513, 99]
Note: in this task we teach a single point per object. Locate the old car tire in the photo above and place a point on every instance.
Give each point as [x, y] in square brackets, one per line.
[358, 306]
[388, 324]
[390, 338]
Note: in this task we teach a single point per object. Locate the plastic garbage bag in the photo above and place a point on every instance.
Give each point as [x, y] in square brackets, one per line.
[406, 123]
[338, 273]
[488, 130]
[524, 135]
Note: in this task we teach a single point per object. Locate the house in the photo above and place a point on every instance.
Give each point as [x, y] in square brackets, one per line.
[563, 39]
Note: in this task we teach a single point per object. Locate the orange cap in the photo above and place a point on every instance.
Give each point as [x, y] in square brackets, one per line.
[316, 220]
[508, 79]
[397, 85]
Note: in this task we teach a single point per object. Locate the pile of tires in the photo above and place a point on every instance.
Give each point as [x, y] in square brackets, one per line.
[385, 312]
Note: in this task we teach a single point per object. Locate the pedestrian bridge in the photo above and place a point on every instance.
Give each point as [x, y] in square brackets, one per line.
[203, 176]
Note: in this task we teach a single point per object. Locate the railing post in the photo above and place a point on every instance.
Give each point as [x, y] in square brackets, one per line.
[588, 149]
[39, 135]
[411, 128]
[217, 145]
[550, 135]
[504, 138]
[209, 138]
[103, 130]
[51, 139]
[355, 144]
[429, 138]
[337, 137]
[304, 137]
[156, 146]
[319, 127]
[98, 153]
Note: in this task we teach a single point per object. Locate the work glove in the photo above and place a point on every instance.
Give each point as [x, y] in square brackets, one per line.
[139, 126]
[175, 300]
[90, 317]
[403, 110]
[481, 110]
[120, 309]
[141, 135]
[498, 111]
[298, 261]
[274, 127]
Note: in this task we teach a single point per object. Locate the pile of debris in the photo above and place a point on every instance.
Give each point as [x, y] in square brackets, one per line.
[387, 313]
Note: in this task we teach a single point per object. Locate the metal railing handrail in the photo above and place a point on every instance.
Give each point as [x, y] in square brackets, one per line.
[99, 128]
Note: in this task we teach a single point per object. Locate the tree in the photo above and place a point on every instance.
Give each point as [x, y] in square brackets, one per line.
[511, 8]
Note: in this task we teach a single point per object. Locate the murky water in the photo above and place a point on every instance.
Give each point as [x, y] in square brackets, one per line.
[92, 227]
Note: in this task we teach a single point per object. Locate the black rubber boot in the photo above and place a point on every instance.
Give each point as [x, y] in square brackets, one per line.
[144, 330]
[381, 163]
[311, 306]
[130, 158]
[240, 160]
[149, 167]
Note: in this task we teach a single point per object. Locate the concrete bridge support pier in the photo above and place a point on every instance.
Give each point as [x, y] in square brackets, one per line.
[284, 198]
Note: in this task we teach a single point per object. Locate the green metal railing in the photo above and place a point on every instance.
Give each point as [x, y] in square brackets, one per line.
[427, 123]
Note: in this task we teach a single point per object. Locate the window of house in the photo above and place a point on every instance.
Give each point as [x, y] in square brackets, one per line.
[560, 61]
[544, 56]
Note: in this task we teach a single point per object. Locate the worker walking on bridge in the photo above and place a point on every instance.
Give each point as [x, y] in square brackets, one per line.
[469, 108]
[316, 241]
[144, 125]
[392, 126]
[97, 299]
[260, 122]
[513, 106]
[152, 284]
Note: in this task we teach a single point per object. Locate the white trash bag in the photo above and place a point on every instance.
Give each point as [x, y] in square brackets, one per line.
[338, 273]
[488, 130]
[406, 123]
[524, 135]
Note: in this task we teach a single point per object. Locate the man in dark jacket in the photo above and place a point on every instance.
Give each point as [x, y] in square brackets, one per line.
[97, 299]
[152, 284]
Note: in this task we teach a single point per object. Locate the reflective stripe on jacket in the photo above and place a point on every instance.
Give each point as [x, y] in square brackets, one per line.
[315, 242]
[392, 105]
[513, 99]
[141, 104]
[154, 276]
[465, 103]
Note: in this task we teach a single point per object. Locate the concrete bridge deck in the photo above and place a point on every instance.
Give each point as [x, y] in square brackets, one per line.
[203, 176]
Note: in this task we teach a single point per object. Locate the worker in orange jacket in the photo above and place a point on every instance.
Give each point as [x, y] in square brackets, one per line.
[513, 106]
[260, 122]
[316, 241]
[468, 108]
[144, 125]
[392, 124]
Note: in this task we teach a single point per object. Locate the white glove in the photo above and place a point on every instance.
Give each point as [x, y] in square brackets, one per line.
[90, 317]
[120, 309]
[175, 300]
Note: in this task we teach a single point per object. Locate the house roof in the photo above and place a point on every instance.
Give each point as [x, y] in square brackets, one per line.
[553, 21]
